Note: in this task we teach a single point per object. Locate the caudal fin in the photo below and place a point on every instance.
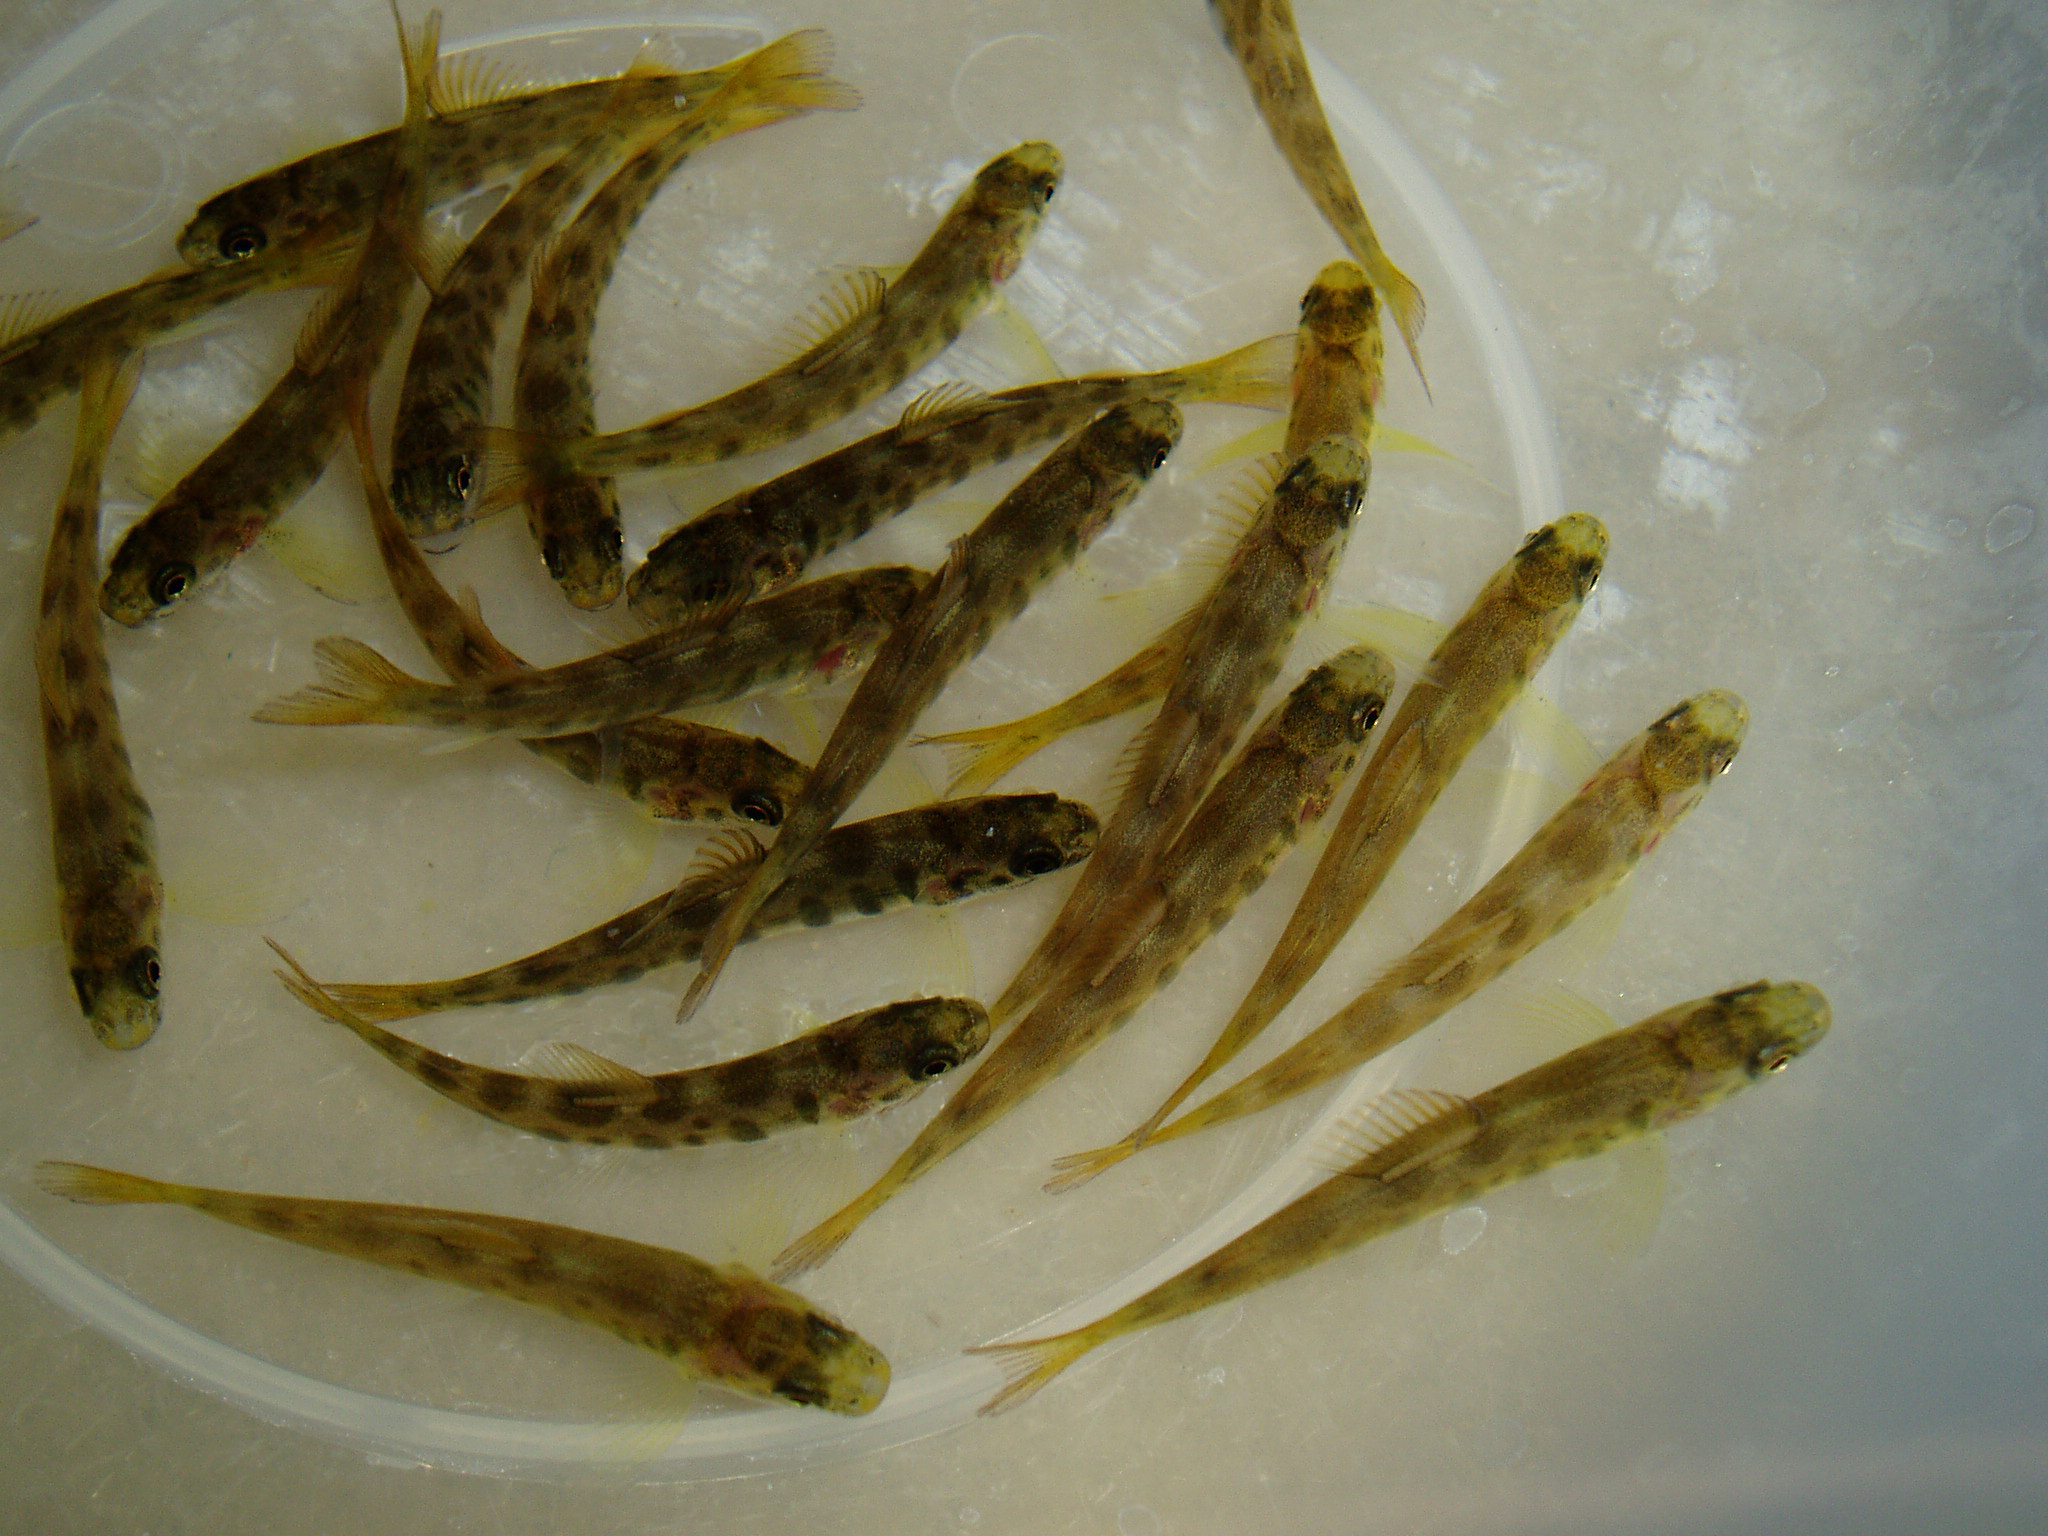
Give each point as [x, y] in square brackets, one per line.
[1030, 1364]
[1077, 1168]
[101, 1186]
[356, 686]
[1399, 293]
[818, 1244]
[783, 80]
[977, 759]
[1258, 375]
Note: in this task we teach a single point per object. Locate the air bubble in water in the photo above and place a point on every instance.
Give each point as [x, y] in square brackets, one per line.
[2009, 525]
[1463, 1228]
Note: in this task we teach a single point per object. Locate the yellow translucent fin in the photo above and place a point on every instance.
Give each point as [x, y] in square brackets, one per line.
[101, 1186]
[466, 81]
[163, 450]
[1548, 742]
[939, 407]
[1077, 1168]
[1521, 803]
[1408, 639]
[1590, 936]
[1399, 1132]
[229, 881]
[1632, 1203]
[609, 1083]
[24, 313]
[1034, 358]
[1271, 437]
[1030, 1364]
[328, 549]
[726, 859]
[659, 1419]
[821, 332]
[609, 849]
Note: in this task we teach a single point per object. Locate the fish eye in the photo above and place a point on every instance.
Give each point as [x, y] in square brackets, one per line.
[934, 1061]
[239, 242]
[1367, 715]
[1159, 456]
[1775, 1058]
[171, 582]
[755, 806]
[459, 478]
[551, 557]
[145, 973]
[1043, 192]
[1035, 859]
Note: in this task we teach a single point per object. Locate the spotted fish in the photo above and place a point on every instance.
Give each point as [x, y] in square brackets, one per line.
[678, 770]
[1268, 46]
[931, 856]
[224, 503]
[109, 894]
[1279, 785]
[1583, 852]
[1032, 534]
[724, 1324]
[1419, 1153]
[837, 1072]
[822, 627]
[761, 539]
[1229, 648]
[889, 330]
[478, 135]
[1467, 684]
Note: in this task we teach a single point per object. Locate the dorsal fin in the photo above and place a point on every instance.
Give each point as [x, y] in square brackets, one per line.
[24, 313]
[939, 407]
[326, 324]
[1399, 1132]
[724, 860]
[823, 331]
[593, 1079]
[474, 79]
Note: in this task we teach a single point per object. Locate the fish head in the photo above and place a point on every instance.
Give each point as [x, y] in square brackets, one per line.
[1337, 703]
[1741, 1035]
[152, 571]
[1340, 313]
[1006, 839]
[121, 997]
[778, 1343]
[1693, 745]
[1128, 443]
[713, 563]
[268, 219]
[1558, 565]
[902, 1047]
[576, 522]
[1007, 202]
[432, 496]
[1319, 496]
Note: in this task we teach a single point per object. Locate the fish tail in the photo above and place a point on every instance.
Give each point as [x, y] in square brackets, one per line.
[317, 997]
[356, 684]
[1077, 1168]
[377, 1002]
[1399, 293]
[103, 1186]
[419, 52]
[976, 759]
[1031, 1363]
[1258, 375]
[782, 80]
[829, 1235]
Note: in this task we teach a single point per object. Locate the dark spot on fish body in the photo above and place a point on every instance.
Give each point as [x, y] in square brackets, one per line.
[432, 1073]
[566, 1106]
[745, 1130]
[805, 1104]
[745, 1083]
[650, 1141]
[667, 1109]
[814, 912]
[501, 1091]
[837, 1054]
[908, 881]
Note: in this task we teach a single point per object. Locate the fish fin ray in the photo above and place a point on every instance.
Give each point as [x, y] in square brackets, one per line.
[832, 323]
[573, 1066]
[1400, 1132]
[942, 406]
[1077, 1168]
[1029, 1364]
[100, 1186]
[23, 314]
[474, 79]
[354, 680]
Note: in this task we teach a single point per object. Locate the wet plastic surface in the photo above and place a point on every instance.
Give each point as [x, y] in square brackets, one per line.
[1774, 269]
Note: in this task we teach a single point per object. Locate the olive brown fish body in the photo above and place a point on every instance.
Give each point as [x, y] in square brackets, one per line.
[822, 627]
[468, 146]
[724, 1323]
[679, 770]
[41, 365]
[1032, 534]
[931, 856]
[835, 1073]
[1466, 685]
[1581, 854]
[575, 518]
[1231, 645]
[109, 894]
[1336, 385]
[1279, 785]
[1427, 1153]
[895, 329]
[1263, 35]
[762, 539]
[223, 505]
